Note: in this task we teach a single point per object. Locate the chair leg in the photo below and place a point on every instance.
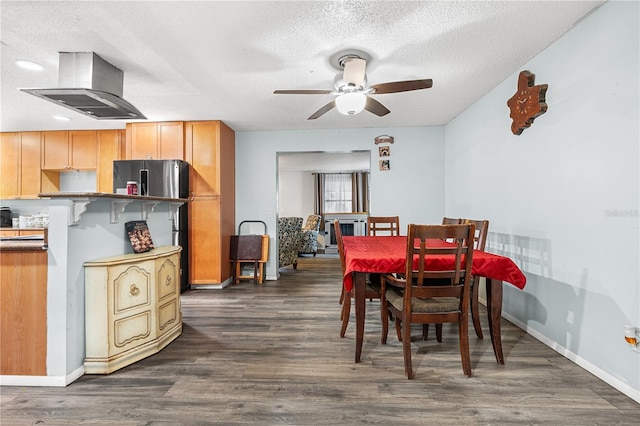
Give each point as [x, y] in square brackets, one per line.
[406, 348]
[475, 311]
[398, 328]
[439, 333]
[463, 331]
[346, 311]
[384, 317]
[425, 331]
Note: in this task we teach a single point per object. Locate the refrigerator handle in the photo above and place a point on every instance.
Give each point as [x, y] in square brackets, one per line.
[144, 181]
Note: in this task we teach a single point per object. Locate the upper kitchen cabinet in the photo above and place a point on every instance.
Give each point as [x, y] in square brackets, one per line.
[157, 141]
[110, 148]
[210, 150]
[69, 149]
[20, 165]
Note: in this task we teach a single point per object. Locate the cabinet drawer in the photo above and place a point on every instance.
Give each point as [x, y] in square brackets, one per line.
[168, 316]
[131, 331]
[131, 288]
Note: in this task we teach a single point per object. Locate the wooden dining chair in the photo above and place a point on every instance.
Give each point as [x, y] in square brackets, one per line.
[479, 243]
[414, 301]
[372, 289]
[383, 225]
[451, 221]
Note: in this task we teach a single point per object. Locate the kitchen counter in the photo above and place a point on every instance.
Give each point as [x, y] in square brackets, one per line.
[21, 242]
[71, 195]
[83, 226]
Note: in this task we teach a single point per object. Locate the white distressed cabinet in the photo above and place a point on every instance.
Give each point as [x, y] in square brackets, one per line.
[132, 307]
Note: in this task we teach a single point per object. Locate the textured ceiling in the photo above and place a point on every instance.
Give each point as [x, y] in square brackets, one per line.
[222, 60]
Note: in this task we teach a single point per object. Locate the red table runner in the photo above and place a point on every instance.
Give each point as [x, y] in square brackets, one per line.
[388, 255]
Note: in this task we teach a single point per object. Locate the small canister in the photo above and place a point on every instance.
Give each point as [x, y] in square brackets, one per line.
[132, 187]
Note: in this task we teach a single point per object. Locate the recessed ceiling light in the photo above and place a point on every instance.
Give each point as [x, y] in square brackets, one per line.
[29, 65]
[61, 118]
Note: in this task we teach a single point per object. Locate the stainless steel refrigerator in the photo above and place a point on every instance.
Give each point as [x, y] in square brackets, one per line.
[161, 178]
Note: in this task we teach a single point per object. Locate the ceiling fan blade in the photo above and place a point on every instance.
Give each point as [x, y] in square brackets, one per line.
[376, 107]
[354, 71]
[302, 92]
[402, 86]
[328, 107]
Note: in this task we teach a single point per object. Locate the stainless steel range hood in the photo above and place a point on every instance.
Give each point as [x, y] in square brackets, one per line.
[91, 86]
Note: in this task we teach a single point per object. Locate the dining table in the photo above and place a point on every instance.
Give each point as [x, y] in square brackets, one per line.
[387, 254]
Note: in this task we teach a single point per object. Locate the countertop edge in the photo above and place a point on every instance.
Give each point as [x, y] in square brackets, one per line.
[72, 195]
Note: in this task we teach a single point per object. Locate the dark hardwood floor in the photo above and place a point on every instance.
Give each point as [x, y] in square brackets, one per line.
[272, 354]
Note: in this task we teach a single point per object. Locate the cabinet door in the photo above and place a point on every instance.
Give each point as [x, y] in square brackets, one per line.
[168, 292]
[171, 140]
[55, 150]
[30, 176]
[131, 304]
[9, 164]
[83, 149]
[202, 154]
[110, 147]
[142, 141]
[205, 242]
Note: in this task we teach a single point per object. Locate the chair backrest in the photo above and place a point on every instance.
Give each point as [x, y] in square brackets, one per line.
[451, 221]
[480, 237]
[338, 232]
[383, 225]
[453, 282]
[312, 223]
[289, 235]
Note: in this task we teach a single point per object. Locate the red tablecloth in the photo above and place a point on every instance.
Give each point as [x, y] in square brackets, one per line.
[388, 255]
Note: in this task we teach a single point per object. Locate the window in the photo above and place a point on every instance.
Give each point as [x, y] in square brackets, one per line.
[337, 193]
[341, 192]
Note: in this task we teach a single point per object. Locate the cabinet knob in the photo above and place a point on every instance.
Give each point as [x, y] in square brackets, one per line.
[134, 290]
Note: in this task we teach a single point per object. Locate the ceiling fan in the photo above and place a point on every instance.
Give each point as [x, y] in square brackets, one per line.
[352, 92]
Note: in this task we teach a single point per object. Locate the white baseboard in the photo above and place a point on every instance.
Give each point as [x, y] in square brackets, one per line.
[54, 381]
[596, 371]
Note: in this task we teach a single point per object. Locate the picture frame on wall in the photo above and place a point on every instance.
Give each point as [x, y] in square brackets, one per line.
[384, 165]
[384, 151]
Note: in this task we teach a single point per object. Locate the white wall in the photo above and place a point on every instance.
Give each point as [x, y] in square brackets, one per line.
[295, 190]
[564, 194]
[416, 159]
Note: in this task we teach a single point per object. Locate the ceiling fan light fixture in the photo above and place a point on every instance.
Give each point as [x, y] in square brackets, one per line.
[351, 103]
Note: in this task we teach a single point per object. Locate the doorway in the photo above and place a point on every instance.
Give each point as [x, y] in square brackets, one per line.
[295, 178]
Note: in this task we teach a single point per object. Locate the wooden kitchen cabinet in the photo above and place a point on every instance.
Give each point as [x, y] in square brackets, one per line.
[206, 244]
[110, 148]
[23, 313]
[20, 165]
[10, 163]
[210, 150]
[155, 140]
[69, 149]
[132, 307]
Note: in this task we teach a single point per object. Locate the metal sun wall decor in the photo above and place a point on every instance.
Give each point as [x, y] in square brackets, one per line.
[527, 103]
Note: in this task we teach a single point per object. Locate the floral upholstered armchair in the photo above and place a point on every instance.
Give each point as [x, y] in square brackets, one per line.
[289, 234]
[309, 242]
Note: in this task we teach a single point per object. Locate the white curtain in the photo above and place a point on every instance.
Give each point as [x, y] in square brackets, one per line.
[338, 193]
